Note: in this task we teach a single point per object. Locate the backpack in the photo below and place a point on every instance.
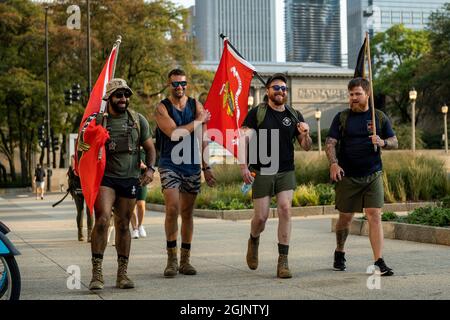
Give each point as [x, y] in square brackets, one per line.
[262, 110]
[166, 102]
[343, 117]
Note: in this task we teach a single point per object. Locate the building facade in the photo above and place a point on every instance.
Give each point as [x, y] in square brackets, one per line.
[250, 25]
[312, 86]
[313, 31]
[376, 16]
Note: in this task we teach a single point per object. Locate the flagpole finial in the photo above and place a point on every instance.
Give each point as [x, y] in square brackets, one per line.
[119, 40]
[224, 37]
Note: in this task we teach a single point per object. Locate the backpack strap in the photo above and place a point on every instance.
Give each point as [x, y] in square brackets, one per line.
[134, 117]
[260, 113]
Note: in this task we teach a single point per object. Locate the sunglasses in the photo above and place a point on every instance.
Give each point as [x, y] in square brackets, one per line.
[176, 84]
[277, 88]
[121, 94]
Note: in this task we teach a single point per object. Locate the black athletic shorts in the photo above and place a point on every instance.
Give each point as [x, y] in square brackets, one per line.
[126, 188]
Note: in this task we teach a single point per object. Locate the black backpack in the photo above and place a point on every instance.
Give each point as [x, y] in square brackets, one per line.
[166, 102]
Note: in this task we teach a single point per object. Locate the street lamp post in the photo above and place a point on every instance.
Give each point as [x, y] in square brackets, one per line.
[49, 170]
[413, 97]
[318, 114]
[444, 110]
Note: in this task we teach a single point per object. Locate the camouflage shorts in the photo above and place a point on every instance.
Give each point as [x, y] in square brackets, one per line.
[173, 180]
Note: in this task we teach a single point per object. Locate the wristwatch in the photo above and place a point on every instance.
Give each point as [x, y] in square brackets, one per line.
[206, 168]
[151, 168]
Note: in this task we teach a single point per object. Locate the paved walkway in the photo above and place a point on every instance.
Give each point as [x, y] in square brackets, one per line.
[46, 237]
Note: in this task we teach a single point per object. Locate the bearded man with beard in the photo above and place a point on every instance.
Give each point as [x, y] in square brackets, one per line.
[356, 167]
[272, 128]
[122, 180]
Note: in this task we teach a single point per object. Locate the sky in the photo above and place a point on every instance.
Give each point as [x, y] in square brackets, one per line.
[281, 52]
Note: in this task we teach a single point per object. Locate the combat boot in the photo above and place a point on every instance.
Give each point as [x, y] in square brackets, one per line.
[123, 282]
[97, 282]
[185, 267]
[80, 234]
[89, 234]
[283, 267]
[172, 263]
[252, 253]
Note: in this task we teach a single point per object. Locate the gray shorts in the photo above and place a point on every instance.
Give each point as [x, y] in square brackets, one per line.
[186, 184]
[40, 184]
[355, 194]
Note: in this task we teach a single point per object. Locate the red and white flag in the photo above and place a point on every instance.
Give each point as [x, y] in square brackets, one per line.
[89, 166]
[227, 99]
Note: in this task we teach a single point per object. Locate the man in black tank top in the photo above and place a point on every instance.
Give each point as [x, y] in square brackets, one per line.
[177, 118]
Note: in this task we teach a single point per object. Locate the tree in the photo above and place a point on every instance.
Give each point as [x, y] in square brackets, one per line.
[397, 53]
[154, 41]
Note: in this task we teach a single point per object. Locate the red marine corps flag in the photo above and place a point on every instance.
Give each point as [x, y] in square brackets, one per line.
[90, 155]
[227, 99]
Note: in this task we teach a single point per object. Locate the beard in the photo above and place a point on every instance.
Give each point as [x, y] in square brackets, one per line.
[358, 107]
[275, 98]
[118, 107]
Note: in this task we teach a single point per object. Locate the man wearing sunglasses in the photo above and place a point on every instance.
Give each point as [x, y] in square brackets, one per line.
[178, 117]
[122, 180]
[276, 126]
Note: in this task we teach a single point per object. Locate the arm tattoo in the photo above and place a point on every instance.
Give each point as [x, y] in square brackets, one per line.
[305, 142]
[391, 143]
[341, 237]
[330, 150]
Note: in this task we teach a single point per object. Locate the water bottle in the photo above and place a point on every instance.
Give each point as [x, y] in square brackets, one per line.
[247, 186]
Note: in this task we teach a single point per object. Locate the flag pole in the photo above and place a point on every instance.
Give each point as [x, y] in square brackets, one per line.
[116, 44]
[374, 123]
[103, 105]
[224, 37]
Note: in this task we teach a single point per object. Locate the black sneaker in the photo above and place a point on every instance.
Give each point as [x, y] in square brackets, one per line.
[339, 261]
[384, 269]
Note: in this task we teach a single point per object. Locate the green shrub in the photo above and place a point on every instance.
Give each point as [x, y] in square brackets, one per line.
[389, 216]
[431, 216]
[445, 202]
[311, 168]
[305, 195]
[326, 193]
[154, 195]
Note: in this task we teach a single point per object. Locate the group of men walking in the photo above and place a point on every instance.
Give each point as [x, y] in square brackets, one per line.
[355, 166]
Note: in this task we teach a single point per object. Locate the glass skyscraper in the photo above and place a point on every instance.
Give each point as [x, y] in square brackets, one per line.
[249, 24]
[313, 31]
[376, 16]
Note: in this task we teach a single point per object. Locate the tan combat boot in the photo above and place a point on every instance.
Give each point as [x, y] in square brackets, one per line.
[80, 234]
[252, 253]
[97, 282]
[123, 282]
[185, 267]
[172, 263]
[283, 267]
[89, 231]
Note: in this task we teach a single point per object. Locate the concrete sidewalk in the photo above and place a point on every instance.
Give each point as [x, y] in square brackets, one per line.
[46, 237]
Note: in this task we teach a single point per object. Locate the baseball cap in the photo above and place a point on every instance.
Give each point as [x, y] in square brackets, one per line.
[276, 76]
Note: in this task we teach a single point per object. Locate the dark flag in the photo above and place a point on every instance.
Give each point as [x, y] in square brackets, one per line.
[360, 63]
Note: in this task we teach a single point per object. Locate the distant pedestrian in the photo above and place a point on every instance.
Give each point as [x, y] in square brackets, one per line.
[39, 175]
[357, 169]
[77, 195]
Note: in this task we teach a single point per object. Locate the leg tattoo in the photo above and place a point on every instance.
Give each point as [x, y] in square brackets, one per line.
[341, 237]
